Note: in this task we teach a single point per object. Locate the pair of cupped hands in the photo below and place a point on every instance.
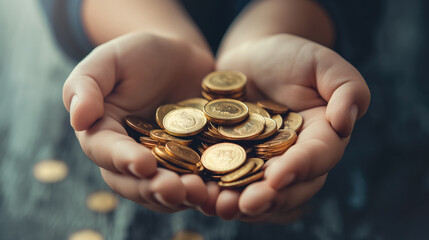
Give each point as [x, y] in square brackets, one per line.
[136, 73]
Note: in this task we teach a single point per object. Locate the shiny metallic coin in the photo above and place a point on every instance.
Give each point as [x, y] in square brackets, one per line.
[278, 119]
[242, 182]
[163, 137]
[86, 234]
[139, 124]
[187, 235]
[223, 157]
[253, 108]
[272, 107]
[161, 111]
[102, 201]
[224, 82]
[170, 166]
[293, 121]
[182, 152]
[161, 152]
[184, 122]
[283, 137]
[148, 140]
[259, 163]
[197, 103]
[239, 173]
[50, 171]
[226, 111]
[248, 129]
[269, 130]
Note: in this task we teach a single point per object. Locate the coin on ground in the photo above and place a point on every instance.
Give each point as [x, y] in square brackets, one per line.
[187, 235]
[272, 106]
[293, 121]
[139, 124]
[182, 152]
[102, 201]
[239, 173]
[184, 122]
[224, 81]
[197, 103]
[253, 108]
[226, 111]
[50, 171]
[242, 182]
[161, 111]
[248, 129]
[86, 234]
[223, 157]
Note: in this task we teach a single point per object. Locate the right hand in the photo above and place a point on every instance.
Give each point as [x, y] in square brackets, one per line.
[134, 74]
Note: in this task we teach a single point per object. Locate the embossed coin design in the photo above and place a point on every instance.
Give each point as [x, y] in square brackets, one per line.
[239, 173]
[184, 122]
[293, 121]
[161, 111]
[226, 111]
[224, 81]
[242, 182]
[248, 129]
[182, 152]
[163, 137]
[253, 108]
[223, 157]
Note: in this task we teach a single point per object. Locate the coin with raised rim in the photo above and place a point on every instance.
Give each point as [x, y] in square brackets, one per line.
[182, 152]
[161, 111]
[259, 163]
[139, 124]
[278, 119]
[223, 157]
[168, 165]
[161, 152]
[242, 182]
[239, 173]
[197, 103]
[224, 82]
[273, 107]
[248, 129]
[226, 111]
[269, 130]
[163, 137]
[293, 121]
[253, 108]
[184, 122]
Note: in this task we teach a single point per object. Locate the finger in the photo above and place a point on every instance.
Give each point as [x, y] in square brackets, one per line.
[256, 198]
[196, 191]
[344, 88]
[317, 149]
[137, 190]
[209, 207]
[87, 85]
[227, 204]
[168, 188]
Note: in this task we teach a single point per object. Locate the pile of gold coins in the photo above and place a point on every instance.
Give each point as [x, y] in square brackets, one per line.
[221, 138]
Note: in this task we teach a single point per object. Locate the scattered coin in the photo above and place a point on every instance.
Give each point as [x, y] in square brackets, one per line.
[86, 234]
[223, 157]
[139, 124]
[50, 171]
[273, 107]
[102, 201]
[293, 121]
[226, 111]
[184, 122]
[187, 235]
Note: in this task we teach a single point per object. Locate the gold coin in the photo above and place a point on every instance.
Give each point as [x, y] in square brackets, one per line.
[269, 130]
[148, 140]
[161, 152]
[224, 81]
[197, 103]
[259, 163]
[253, 108]
[210, 96]
[137, 123]
[164, 137]
[293, 121]
[279, 120]
[86, 234]
[272, 106]
[170, 166]
[187, 235]
[242, 182]
[239, 173]
[161, 111]
[226, 111]
[246, 130]
[283, 137]
[184, 122]
[101, 201]
[182, 152]
[50, 171]
[223, 157]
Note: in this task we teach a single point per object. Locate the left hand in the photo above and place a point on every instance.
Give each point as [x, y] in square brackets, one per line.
[326, 90]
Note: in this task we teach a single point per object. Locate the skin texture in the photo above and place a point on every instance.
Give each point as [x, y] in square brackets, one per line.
[148, 60]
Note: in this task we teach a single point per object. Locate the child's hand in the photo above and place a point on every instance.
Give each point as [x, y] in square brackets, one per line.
[330, 95]
[134, 74]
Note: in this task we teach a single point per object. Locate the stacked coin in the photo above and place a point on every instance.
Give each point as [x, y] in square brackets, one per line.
[233, 138]
[224, 84]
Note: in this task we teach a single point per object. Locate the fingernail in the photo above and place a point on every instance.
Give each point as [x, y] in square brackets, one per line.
[73, 103]
[132, 168]
[287, 179]
[258, 211]
[189, 204]
[160, 199]
[353, 113]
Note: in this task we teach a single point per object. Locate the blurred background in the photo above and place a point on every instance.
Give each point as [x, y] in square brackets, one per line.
[380, 189]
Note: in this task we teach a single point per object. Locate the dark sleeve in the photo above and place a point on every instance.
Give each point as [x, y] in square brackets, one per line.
[64, 17]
